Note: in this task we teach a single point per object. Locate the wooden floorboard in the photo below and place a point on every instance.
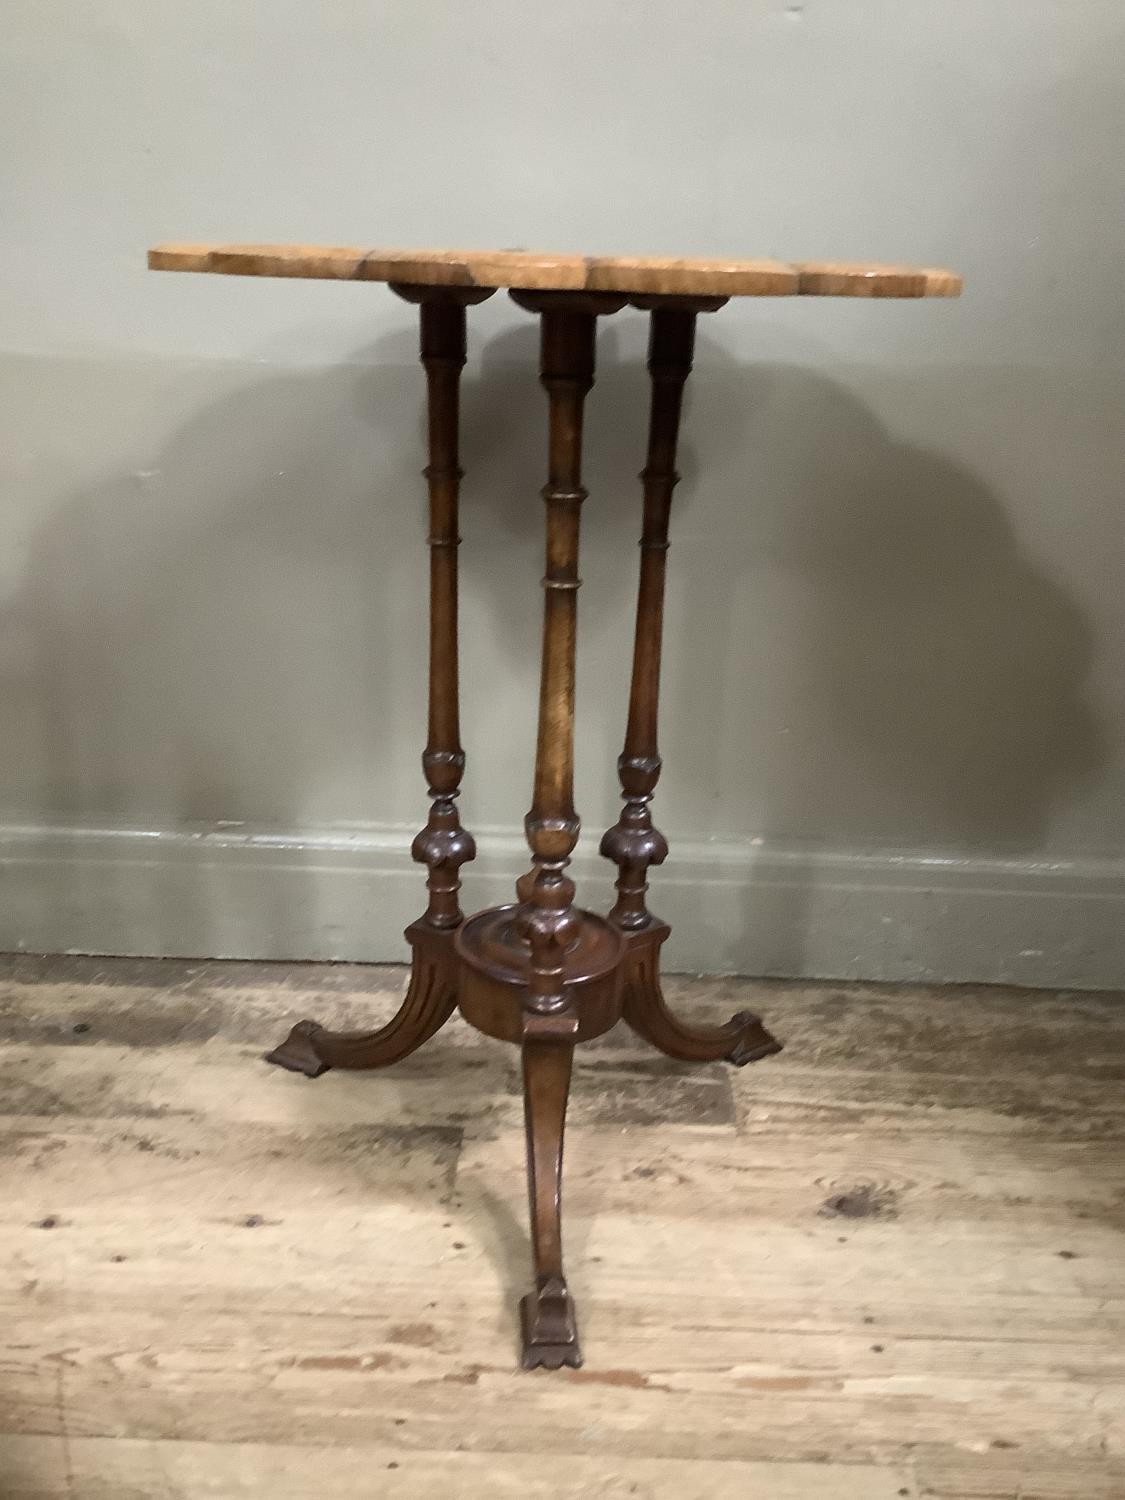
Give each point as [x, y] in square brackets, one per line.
[889, 1262]
[132, 1469]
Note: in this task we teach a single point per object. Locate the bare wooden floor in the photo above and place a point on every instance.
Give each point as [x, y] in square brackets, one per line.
[889, 1263]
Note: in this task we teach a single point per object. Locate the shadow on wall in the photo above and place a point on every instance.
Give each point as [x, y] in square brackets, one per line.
[892, 671]
[933, 690]
[863, 655]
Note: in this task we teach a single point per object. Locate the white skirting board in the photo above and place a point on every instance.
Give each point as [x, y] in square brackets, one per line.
[735, 906]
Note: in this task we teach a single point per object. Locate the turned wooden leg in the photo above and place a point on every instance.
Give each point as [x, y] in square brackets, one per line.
[549, 1332]
[633, 843]
[547, 920]
[443, 846]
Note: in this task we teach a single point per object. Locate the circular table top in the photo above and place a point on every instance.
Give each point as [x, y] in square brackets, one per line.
[531, 270]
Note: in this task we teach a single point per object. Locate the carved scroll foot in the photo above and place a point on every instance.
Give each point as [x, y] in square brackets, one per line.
[741, 1040]
[430, 1000]
[754, 1041]
[298, 1053]
[548, 1330]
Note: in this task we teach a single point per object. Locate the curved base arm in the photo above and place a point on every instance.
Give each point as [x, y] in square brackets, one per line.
[741, 1040]
[549, 1332]
[430, 1000]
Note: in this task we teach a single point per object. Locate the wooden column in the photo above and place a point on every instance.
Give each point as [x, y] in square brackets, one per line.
[443, 845]
[633, 843]
[547, 919]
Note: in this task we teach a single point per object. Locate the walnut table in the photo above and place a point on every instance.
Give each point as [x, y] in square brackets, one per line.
[543, 973]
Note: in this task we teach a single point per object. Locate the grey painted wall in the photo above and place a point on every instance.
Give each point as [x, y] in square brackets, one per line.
[894, 728]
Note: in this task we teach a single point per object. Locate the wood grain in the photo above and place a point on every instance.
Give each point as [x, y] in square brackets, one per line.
[137, 1470]
[839, 279]
[549, 272]
[224, 1280]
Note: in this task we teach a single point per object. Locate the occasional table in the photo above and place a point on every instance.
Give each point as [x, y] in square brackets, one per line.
[542, 972]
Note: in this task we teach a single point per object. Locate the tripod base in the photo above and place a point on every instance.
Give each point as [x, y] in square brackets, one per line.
[483, 966]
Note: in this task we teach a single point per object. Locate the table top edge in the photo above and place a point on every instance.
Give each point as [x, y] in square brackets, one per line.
[526, 270]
